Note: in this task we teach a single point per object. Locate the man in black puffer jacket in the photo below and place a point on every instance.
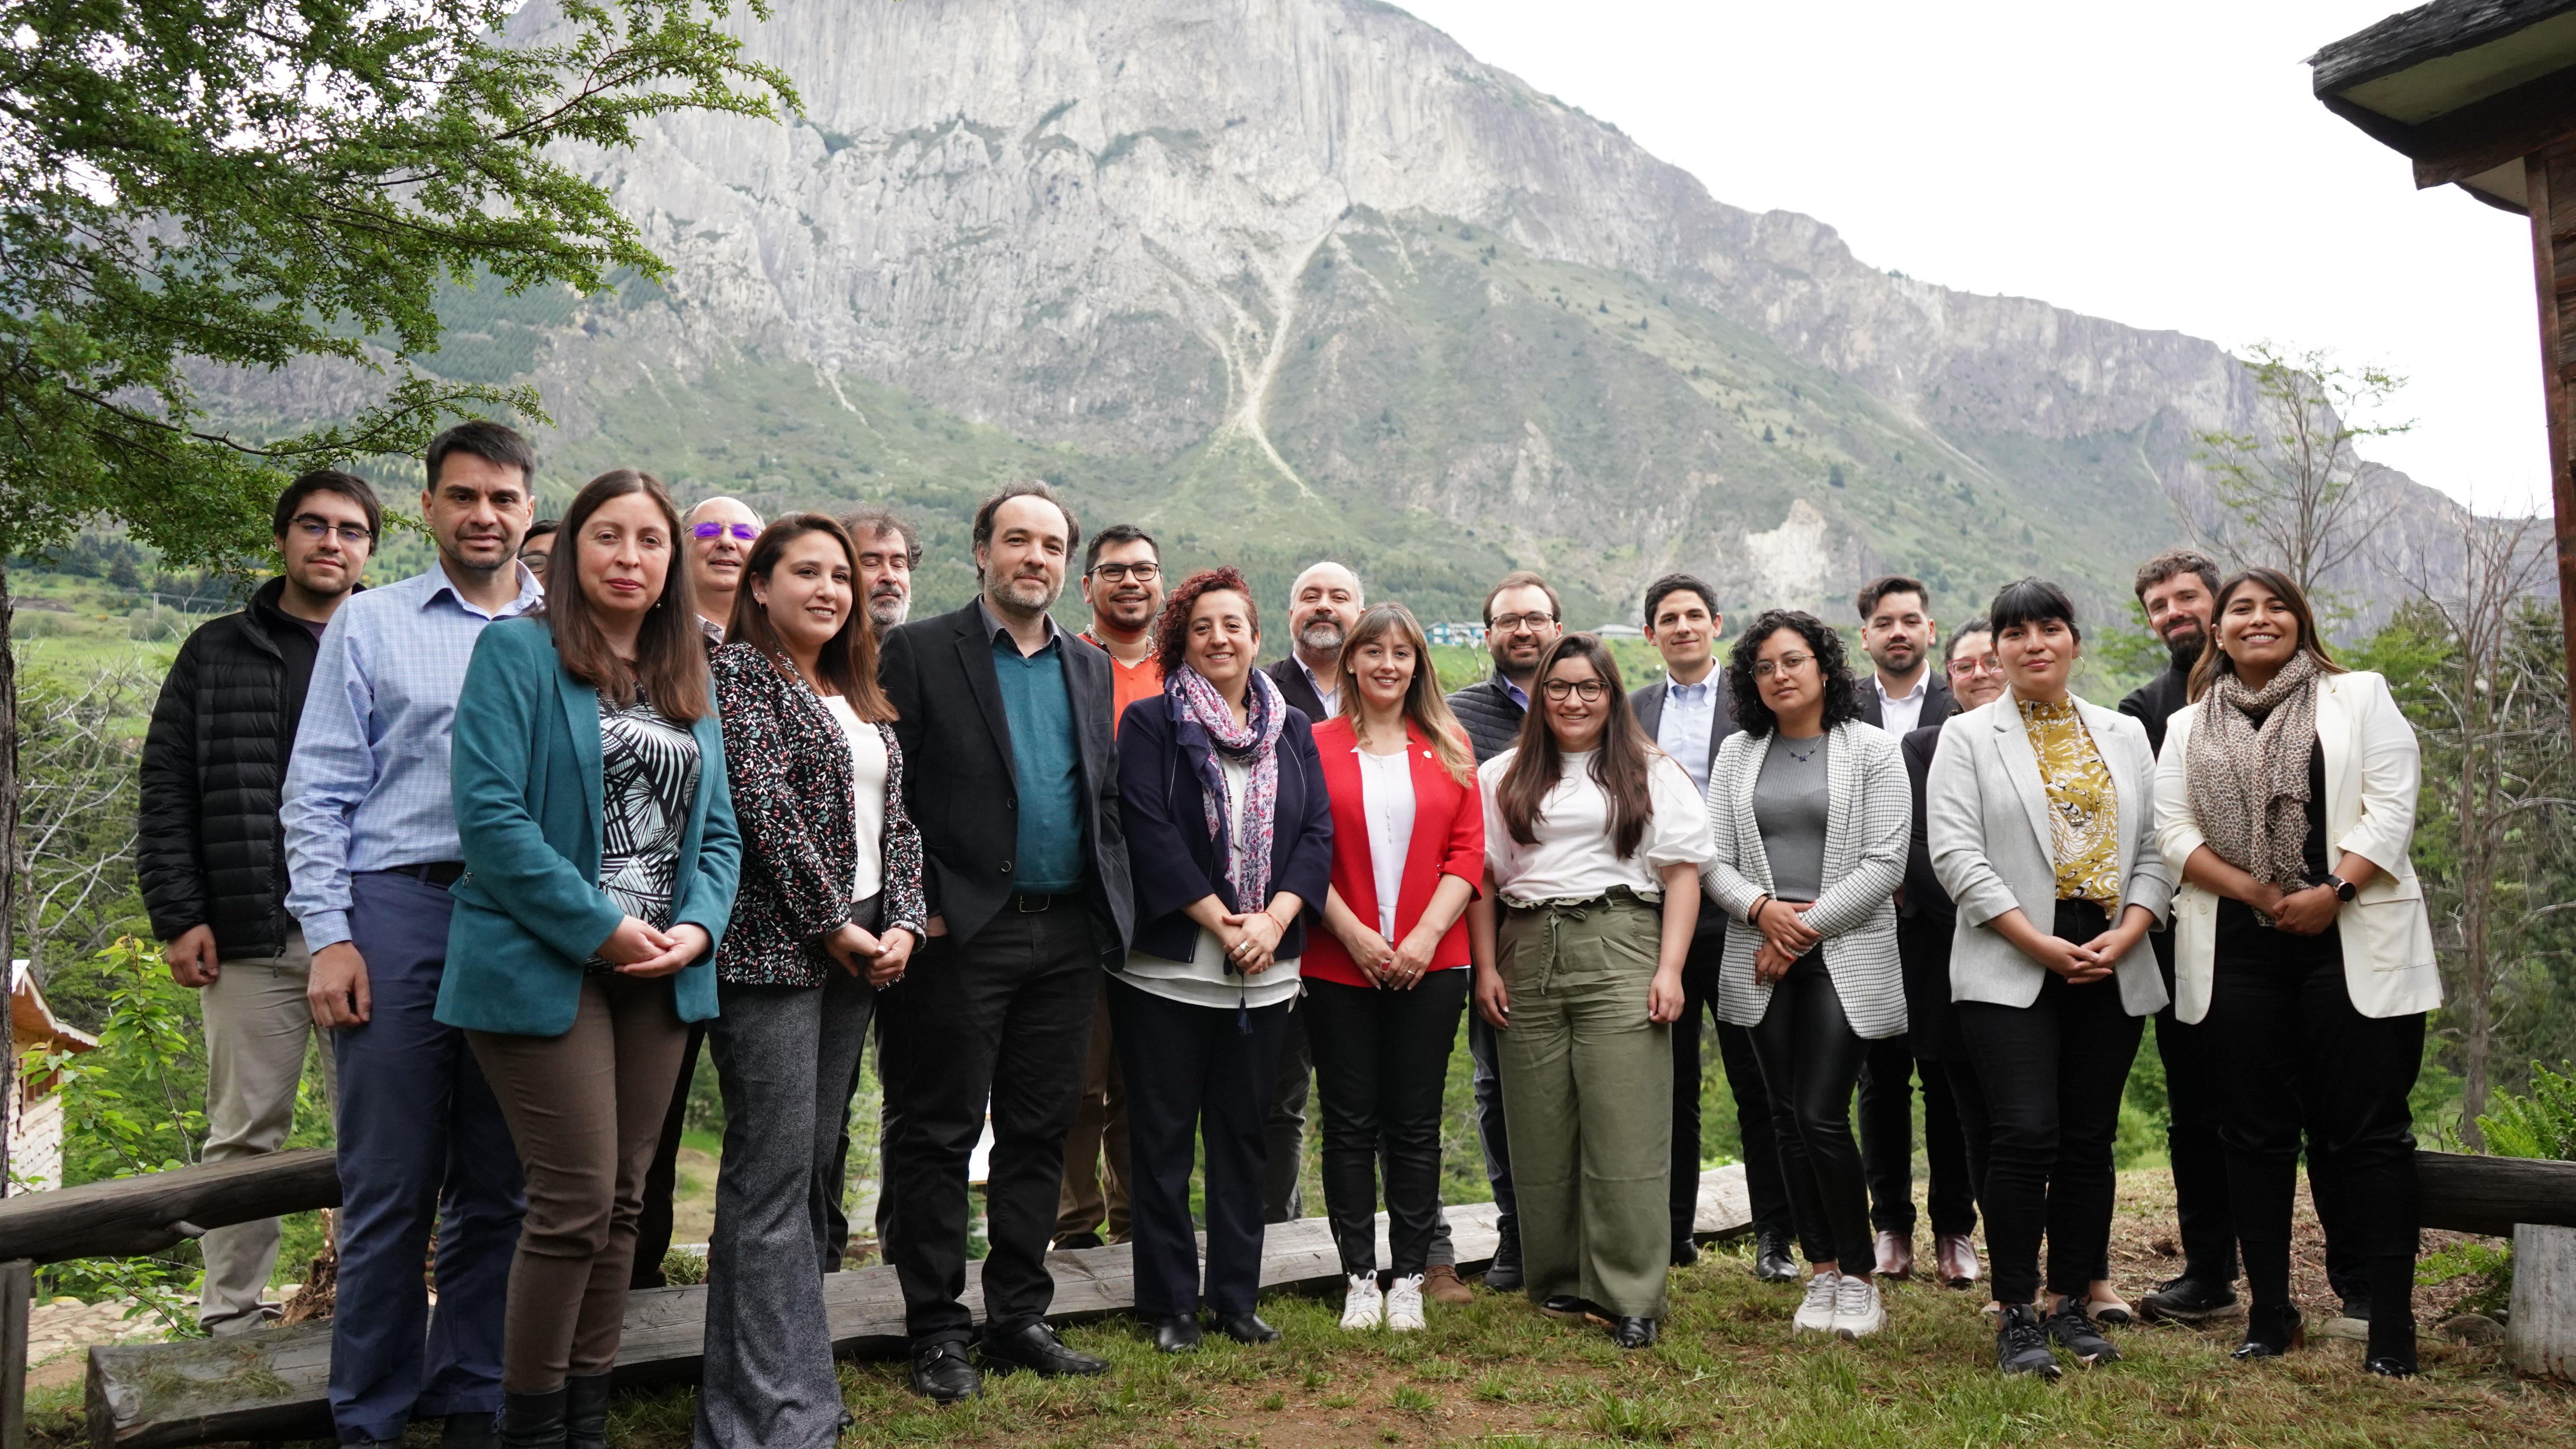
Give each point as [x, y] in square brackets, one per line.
[212, 855]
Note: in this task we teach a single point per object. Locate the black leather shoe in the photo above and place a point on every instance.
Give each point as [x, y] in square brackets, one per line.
[1244, 1327]
[1177, 1333]
[1685, 1252]
[527, 1421]
[1077, 1242]
[1566, 1305]
[2390, 1368]
[1772, 1260]
[2187, 1300]
[1037, 1349]
[1504, 1276]
[1633, 1333]
[2271, 1332]
[941, 1374]
[586, 1411]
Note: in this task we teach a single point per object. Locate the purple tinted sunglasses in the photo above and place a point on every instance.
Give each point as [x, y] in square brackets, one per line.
[743, 531]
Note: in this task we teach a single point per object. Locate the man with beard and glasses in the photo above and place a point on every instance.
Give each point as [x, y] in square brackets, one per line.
[1523, 617]
[888, 553]
[720, 532]
[1122, 582]
[1012, 778]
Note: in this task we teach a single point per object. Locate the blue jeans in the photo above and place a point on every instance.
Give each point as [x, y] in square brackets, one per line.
[422, 1144]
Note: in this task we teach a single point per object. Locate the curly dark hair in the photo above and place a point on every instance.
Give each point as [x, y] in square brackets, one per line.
[1842, 696]
[1172, 627]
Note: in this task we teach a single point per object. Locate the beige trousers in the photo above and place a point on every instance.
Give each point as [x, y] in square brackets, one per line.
[258, 1027]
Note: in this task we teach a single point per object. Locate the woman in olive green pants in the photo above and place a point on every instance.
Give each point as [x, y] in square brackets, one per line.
[1593, 842]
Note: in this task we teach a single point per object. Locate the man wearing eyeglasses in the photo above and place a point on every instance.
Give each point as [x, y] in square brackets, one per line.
[212, 855]
[720, 533]
[1523, 616]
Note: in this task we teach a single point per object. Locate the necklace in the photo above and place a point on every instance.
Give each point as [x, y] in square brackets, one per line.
[1801, 756]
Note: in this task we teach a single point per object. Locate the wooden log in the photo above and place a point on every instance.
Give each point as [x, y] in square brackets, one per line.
[2491, 1195]
[129, 1216]
[2540, 1337]
[271, 1384]
[17, 1290]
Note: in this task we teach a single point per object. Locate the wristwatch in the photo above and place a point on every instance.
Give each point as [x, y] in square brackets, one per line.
[2344, 890]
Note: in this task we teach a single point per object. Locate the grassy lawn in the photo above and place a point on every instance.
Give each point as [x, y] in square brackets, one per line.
[1727, 1370]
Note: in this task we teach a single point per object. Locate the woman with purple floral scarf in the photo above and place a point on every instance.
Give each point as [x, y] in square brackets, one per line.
[1229, 837]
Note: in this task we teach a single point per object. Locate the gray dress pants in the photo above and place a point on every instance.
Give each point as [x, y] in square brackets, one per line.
[785, 1056]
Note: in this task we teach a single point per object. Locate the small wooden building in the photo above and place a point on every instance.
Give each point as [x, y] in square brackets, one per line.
[2481, 94]
[36, 1116]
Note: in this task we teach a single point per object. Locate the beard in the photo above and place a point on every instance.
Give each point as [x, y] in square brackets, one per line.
[2186, 649]
[1036, 595]
[1321, 635]
[888, 609]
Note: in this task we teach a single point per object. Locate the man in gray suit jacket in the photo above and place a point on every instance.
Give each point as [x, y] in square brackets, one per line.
[1683, 623]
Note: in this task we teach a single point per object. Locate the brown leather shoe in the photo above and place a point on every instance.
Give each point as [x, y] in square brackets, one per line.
[1957, 1257]
[1896, 1256]
[1441, 1284]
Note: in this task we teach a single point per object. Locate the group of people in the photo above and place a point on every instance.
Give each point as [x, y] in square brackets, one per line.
[516, 834]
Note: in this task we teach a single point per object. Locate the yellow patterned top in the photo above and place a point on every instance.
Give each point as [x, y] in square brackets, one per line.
[2083, 804]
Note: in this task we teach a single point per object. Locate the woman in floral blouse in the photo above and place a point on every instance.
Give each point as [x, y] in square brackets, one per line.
[830, 911]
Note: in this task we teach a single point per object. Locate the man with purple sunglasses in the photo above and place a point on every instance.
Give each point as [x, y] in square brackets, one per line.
[720, 533]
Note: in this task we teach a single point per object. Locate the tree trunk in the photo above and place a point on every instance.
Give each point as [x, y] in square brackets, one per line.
[8, 859]
[2478, 860]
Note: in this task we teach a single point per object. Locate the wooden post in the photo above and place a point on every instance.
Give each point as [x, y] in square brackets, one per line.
[17, 1286]
[2541, 1336]
[2549, 187]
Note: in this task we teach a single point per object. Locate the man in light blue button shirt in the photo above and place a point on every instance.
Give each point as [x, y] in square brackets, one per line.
[371, 849]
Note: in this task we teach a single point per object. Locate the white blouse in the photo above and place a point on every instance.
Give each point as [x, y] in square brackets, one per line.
[868, 769]
[1386, 799]
[1572, 858]
[1204, 980]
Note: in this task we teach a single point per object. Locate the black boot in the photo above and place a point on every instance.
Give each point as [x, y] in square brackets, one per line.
[1505, 1274]
[2271, 1330]
[586, 1411]
[532, 1421]
[2392, 1317]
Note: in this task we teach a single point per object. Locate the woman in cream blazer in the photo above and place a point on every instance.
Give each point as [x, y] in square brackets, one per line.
[2040, 815]
[2314, 987]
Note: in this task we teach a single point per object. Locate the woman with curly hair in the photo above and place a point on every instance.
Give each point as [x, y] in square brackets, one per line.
[1229, 838]
[1809, 809]
[829, 913]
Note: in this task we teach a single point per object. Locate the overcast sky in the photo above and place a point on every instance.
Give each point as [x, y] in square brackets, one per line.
[2162, 165]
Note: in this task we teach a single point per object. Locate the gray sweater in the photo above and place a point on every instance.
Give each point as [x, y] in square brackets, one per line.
[1790, 803]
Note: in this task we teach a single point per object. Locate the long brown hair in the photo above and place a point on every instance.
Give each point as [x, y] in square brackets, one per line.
[670, 655]
[1424, 705]
[849, 659]
[2213, 663]
[1619, 763]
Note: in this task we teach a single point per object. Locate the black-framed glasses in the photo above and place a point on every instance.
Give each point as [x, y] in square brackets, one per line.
[744, 531]
[1119, 573]
[318, 528]
[1590, 690]
[1513, 623]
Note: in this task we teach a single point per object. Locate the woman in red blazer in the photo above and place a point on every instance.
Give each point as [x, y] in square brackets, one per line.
[1386, 979]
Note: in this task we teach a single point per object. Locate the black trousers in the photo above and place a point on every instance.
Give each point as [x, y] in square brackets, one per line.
[1976, 1120]
[662, 1178]
[2052, 1072]
[2298, 1060]
[1766, 1191]
[1810, 1062]
[1283, 1132]
[1887, 1142]
[1381, 1061]
[2194, 1098]
[1196, 1076]
[1004, 1017]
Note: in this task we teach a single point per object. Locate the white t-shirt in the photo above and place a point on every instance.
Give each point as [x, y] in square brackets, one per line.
[1203, 980]
[1572, 858]
[1386, 799]
[867, 796]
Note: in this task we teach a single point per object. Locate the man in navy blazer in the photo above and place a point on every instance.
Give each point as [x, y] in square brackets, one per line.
[1011, 773]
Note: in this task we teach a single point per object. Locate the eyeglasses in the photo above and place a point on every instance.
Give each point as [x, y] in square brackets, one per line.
[1514, 623]
[312, 527]
[743, 531]
[536, 561]
[1981, 664]
[1589, 689]
[1118, 573]
[1765, 668]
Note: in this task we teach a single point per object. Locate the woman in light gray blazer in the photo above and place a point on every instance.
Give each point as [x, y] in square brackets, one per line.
[1810, 810]
[2040, 811]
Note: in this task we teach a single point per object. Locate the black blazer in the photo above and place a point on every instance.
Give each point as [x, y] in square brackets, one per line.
[1648, 702]
[1176, 858]
[958, 784]
[1294, 688]
[1923, 892]
[1936, 699]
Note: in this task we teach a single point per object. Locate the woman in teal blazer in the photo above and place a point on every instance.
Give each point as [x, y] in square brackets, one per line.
[600, 854]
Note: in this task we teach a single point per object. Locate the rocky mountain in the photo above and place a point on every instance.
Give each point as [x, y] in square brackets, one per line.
[1281, 278]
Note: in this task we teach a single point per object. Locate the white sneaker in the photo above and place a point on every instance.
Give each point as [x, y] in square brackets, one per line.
[1857, 1313]
[1365, 1307]
[1816, 1314]
[1404, 1304]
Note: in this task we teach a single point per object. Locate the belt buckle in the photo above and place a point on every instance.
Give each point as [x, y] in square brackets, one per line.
[1021, 900]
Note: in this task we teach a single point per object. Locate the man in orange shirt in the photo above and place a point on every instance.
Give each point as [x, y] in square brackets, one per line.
[1122, 581]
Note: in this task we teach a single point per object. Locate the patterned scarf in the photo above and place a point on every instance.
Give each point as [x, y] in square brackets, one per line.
[1254, 743]
[2249, 781]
